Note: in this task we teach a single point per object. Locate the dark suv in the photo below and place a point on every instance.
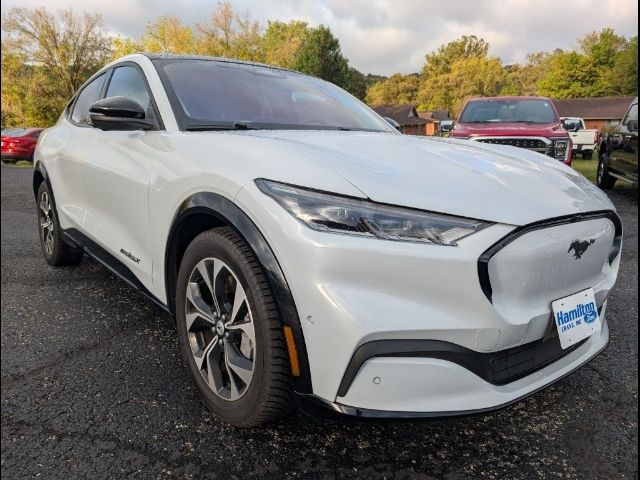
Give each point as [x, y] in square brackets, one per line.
[619, 152]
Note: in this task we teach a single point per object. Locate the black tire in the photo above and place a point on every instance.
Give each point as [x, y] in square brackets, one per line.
[588, 155]
[56, 252]
[603, 179]
[269, 395]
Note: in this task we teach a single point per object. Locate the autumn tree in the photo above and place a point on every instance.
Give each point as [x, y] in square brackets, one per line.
[168, 35]
[281, 42]
[398, 88]
[46, 57]
[69, 46]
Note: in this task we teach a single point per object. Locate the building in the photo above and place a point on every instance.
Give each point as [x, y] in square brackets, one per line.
[406, 116]
[600, 112]
[434, 117]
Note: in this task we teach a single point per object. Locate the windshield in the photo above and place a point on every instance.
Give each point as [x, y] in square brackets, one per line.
[509, 111]
[215, 94]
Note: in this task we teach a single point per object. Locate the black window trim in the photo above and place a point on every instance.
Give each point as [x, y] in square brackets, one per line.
[105, 87]
[625, 119]
[72, 105]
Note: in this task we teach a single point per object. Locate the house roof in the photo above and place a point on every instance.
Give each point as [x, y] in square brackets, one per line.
[403, 114]
[435, 115]
[598, 108]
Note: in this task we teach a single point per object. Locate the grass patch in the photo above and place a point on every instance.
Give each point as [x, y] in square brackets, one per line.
[588, 168]
[18, 164]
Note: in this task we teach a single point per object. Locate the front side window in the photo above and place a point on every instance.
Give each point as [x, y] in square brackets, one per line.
[509, 111]
[212, 93]
[89, 94]
[128, 82]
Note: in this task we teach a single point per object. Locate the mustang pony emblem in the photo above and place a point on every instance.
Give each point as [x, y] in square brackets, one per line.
[579, 247]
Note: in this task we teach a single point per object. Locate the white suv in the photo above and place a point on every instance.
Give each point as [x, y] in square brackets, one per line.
[309, 251]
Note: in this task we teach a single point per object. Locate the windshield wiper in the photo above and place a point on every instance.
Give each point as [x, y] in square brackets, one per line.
[219, 127]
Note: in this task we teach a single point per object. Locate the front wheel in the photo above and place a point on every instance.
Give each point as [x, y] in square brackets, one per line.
[230, 332]
[603, 179]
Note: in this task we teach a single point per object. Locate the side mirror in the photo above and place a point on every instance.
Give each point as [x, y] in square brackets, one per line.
[446, 125]
[119, 113]
[392, 122]
[632, 125]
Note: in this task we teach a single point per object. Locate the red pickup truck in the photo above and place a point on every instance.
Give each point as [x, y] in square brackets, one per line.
[526, 122]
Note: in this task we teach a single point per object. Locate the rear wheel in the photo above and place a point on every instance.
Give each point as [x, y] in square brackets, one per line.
[588, 155]
[230, 331]
[603, 179]
[55, 251]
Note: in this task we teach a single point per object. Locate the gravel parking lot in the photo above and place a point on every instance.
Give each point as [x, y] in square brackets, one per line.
[93, 386]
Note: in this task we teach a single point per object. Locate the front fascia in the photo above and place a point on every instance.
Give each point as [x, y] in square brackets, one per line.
[352, 290]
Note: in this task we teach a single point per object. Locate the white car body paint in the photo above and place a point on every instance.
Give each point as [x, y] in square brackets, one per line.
[123, 190]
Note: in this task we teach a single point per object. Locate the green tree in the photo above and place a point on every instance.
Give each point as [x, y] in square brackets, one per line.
[622, 77]
[320, 55]
[570, 75]
[281, 42]
[441, 61]
[398, 88]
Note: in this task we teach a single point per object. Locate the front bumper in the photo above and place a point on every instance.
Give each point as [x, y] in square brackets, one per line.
[350, 291]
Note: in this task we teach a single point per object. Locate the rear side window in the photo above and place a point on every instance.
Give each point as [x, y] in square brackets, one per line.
[128, 82]
[88, 95]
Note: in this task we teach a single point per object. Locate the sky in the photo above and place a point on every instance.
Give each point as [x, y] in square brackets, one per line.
[390, 36]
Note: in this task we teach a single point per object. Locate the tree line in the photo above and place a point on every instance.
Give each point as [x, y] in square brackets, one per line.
[47, 56]
[605, 64]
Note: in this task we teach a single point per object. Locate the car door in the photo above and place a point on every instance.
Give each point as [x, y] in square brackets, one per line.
[62, 164]
[624, 149]
[115, 167]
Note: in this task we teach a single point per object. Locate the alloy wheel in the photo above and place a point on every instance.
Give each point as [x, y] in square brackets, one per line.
[220, 328]
[46, 223]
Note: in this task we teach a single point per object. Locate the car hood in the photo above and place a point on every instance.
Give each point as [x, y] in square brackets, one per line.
[509, 129]
[489, 182]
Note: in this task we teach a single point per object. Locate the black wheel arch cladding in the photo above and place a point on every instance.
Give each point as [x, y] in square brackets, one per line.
[214, 210]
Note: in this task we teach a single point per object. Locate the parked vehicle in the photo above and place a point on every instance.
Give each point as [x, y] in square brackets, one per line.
[19, 143]
[584, 140]
[525, 122]
[308, 250]
[619, 152]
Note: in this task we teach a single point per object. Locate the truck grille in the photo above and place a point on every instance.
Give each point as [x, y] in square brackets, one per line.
[535, 144]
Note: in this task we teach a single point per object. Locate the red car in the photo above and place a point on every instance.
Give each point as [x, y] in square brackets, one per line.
[19, 143]
[526, 122]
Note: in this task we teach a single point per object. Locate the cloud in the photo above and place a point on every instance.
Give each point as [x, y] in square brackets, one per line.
[388, 36]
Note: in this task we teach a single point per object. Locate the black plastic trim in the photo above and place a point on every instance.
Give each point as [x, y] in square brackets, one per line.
[230, 214]
[342, 409]
[114, 265]
[483, 261]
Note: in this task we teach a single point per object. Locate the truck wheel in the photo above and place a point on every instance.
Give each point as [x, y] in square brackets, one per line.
[588, 155]
[603, 179]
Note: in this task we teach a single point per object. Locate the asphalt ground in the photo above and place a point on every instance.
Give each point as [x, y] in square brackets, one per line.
[93, 386]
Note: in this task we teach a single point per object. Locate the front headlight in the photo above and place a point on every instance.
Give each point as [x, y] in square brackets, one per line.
[560, 147]
[327, 212]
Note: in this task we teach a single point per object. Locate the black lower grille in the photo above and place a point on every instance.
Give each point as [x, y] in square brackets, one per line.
[528, 143]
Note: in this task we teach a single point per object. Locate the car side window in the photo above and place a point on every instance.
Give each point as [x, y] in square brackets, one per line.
[128, 82]
[632, 114]
[88, 95]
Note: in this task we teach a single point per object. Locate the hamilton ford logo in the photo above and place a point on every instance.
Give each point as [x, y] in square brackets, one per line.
[579, 247]
[584, 312]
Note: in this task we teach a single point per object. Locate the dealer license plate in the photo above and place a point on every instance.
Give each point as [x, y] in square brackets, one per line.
[576, 317]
